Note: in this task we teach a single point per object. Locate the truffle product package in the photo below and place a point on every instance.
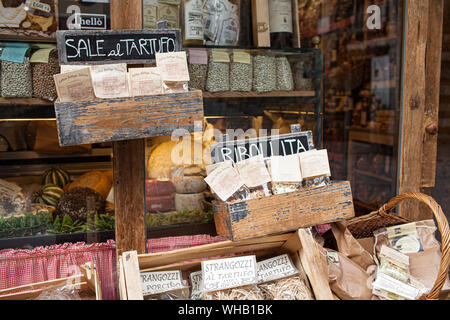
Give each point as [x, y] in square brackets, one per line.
[315, 167]
[164, 285]
[225, 182]
[145, 81]
[74, 86]
[279, 279]
[417, 240]
[174, 71]
[256, 177]
[230, 279]
[110, 80]
[285, 173]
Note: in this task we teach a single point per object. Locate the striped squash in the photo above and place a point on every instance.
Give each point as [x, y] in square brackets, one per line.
[49, 195]
[56, 176]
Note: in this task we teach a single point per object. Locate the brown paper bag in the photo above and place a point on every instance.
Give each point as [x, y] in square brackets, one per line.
[348, 280]
[349, 246]
[43, 137]
[424, 265]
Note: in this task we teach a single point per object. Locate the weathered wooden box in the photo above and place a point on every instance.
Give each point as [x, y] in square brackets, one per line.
[118, 119]
[284, 212]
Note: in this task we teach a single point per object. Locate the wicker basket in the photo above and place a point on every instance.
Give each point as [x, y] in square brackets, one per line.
[364, 226]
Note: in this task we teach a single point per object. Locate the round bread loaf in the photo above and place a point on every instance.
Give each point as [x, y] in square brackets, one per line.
[189, 202]
[189, 184]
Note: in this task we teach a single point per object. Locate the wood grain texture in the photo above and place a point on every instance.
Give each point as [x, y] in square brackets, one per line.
[129, 195]
[315, 265]
[284, 212]
[432, 77]
[414, 93]
[126, 14]
[119, 119]
[260, 14]
[132, 275]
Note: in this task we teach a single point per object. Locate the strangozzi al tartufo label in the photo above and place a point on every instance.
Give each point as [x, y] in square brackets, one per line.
[228, 273]
[196, 285]
[275, 268]
[161, 281]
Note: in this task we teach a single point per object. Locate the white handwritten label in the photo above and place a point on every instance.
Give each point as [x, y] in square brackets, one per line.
[228, 273]
[8, 188]
[196, 281]
[253, 171]
[110, 80]
[145, 81]
[224, 181]
[314, 163]
[387, 283]
[161, 281]
[275, 268]
[285, 168]
[173, 66]
[74, 86]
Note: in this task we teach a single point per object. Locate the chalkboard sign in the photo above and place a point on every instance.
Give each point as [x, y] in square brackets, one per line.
[285, 144]
[109, 46]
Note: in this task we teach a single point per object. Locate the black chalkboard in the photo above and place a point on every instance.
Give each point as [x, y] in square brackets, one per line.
[108, 46]
[284, 144]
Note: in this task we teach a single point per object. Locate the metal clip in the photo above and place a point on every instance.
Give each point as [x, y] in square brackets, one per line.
[262, 27]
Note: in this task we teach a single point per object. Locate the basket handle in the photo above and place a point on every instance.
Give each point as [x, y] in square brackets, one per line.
[443, 229]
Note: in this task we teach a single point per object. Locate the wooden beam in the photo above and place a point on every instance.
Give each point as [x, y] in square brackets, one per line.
[432, 90]
[129, 157]
[126, 14]
[129, 195]
[132, 276]
[413, 109]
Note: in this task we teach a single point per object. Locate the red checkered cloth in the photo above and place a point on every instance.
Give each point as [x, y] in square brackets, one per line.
[21, 267]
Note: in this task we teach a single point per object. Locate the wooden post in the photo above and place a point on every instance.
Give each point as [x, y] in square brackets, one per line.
[413, 104]
[129, 158]
[422, 64]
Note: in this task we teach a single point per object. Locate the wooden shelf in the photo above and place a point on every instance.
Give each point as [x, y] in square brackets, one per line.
[253, 94]
[373, 175]
[370, 136]
[27, 155]
[25, 102]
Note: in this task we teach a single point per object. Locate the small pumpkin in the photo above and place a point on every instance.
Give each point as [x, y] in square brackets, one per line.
[56, 176]
[49, 194]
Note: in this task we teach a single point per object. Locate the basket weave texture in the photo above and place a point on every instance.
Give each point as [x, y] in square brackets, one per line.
[364, 226]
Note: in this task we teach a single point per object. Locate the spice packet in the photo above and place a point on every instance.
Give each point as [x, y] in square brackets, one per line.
[174, 71]
[164, 285]
[224, 181]
[74, 86]
[285, 173]
[145, 81]
[110, 80]
[255, 175]
[315, 167]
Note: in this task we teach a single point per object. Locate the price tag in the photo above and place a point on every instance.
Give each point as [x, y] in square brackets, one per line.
[196, 281]
[161, 281]
[275, 268]
[228, 273]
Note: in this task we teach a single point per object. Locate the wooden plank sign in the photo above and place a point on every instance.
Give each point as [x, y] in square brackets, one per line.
[109, 46]
[284, 144]
[128, 118]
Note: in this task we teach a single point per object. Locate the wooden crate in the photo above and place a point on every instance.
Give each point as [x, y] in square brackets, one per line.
[119, 119]
[87, 282]
[300, 246]
[284, 212]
